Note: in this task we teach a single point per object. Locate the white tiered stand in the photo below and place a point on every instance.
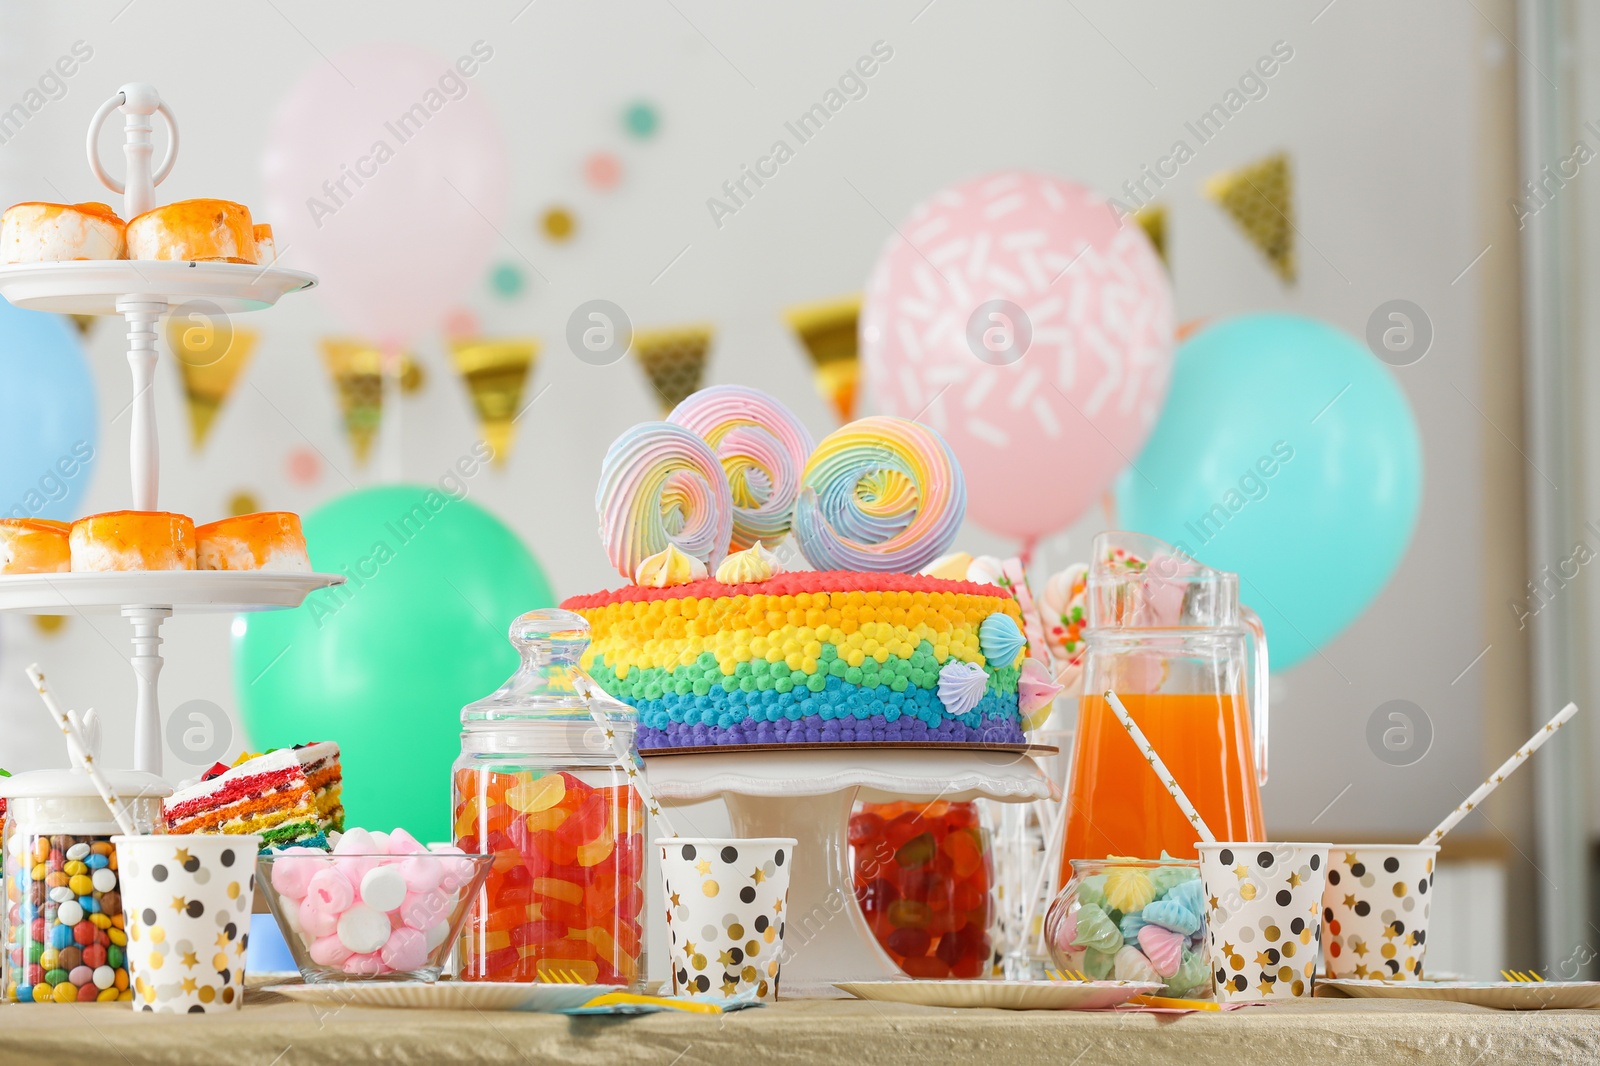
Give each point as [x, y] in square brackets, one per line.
[141, 291]
[808, 794]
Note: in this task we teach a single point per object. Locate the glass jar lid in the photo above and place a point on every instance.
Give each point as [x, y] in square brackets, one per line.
[74, 783]
[550, 683]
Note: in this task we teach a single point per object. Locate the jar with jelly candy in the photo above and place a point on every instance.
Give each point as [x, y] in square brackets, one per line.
[922, 873]
[544, 784]
[63, 928]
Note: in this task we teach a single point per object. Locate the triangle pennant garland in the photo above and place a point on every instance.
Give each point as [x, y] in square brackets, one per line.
[357, 371]
[1259, 197]
[210, 362]
[496, 372]
[1152, 218]
[674, 359]
[828, 330]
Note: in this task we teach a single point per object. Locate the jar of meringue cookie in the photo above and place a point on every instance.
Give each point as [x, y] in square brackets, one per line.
[544, 784]
[1128, 919]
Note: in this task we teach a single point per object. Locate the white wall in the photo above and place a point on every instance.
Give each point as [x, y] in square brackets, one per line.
[1375, 107]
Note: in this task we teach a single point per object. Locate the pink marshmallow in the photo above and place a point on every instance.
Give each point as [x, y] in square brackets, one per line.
[423, 910]
[330, 892]
[455, 872]
[380, 842]
[328, 951]
[315, 923]
[357, 852]
[422, 873]
[403, 843]
[368, 965]
[293, 869]
[406, 949]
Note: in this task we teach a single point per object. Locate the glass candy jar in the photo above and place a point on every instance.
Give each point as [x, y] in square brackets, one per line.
[922, 873]
[64, 930]
[546, 790]
[1133, 920]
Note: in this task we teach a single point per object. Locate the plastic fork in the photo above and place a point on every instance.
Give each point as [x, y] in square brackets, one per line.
[613, 999]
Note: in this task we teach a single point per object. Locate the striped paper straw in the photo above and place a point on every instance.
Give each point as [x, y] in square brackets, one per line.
[1480, 793]
[1160, 768]
[80, 753]
[630, 759]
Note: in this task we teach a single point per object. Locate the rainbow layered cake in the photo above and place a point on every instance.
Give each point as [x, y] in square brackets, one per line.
[810, 657]
[287, 796]
[718, 642]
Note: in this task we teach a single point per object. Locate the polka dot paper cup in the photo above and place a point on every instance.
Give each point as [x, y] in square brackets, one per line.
[1375, 910]
[1263, 917]
[188, 900]
[725, 913]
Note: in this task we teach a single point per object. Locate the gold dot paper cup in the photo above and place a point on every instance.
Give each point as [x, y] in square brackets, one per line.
[1263, 917]
[726, 910]
[1375, 910]
[188, 899]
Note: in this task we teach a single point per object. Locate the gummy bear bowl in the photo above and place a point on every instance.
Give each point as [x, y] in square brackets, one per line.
[355, 917]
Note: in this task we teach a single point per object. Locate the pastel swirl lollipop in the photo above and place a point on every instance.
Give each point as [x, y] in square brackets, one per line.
[660, 484]
[881, 494]
[763, 448]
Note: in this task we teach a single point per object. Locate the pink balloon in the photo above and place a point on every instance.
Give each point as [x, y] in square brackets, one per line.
[1043, 407]
[386, 176]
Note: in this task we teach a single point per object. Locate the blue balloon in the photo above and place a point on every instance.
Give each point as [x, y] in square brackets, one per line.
[1287, 453]
[49, 427]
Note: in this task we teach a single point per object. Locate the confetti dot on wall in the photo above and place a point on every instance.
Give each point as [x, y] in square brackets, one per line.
[243, 502]
[506, 280]
[640, 119]
[304, 466]
[602, 170]
[50, 624]
[460, 323]
[558, 224]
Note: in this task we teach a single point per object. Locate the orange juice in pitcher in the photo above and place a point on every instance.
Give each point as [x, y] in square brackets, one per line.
[1170, 638]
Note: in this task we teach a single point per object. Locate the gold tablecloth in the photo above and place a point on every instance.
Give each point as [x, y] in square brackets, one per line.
[272, 1031]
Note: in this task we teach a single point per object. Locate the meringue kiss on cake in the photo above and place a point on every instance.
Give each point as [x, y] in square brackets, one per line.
[271, 540]
[43, 233]
[864, 651]
[133, 540]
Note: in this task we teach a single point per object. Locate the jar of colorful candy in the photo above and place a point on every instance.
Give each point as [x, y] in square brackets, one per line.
[544, 785]
[1130, 919]
[63, 923]
[922, 874]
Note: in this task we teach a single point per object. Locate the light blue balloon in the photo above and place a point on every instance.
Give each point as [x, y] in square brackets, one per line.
[1287, 453]
[49, 427]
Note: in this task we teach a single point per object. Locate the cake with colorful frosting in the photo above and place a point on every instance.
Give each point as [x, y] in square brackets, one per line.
[716, 643]
[287, 796]
[810, 657]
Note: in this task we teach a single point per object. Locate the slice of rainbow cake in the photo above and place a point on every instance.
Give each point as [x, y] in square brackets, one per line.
[287, 796]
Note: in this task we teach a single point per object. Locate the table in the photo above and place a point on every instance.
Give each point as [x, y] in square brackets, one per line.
[272, 1031]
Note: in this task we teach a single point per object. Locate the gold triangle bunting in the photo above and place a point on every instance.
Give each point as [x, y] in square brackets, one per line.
[210, 361]
[828, 330]
[674, 360]
[1259, 197]
[496, 372]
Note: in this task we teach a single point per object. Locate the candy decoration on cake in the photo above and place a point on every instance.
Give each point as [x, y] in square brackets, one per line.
[961, 686]
[751, 566]
[1016, 579]
[953, 567]
[1064, 611]
[1036, 693]
[660, 484]
[881, 494]
[667, 568]
[763, 448]
[1001, 640]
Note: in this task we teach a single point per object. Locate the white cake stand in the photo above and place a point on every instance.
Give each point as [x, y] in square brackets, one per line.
[807, 793]
[141, 291]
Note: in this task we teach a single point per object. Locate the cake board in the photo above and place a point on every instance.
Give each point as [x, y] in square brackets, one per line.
[807, 793]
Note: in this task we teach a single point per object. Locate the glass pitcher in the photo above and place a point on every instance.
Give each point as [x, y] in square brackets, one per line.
[1169, 636]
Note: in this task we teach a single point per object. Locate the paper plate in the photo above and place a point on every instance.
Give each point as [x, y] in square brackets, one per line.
[444, 995]
[1003, 995]
[1501, 995]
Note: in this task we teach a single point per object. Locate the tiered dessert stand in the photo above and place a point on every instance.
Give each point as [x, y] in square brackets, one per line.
[807, 793]
[141, 291]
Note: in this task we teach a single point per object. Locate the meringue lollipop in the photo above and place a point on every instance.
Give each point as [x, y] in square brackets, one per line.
[762, 446]
[660, 484]
[881, 494]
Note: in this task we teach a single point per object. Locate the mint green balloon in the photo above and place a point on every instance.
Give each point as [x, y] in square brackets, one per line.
[384, 663]
[1287, 453]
